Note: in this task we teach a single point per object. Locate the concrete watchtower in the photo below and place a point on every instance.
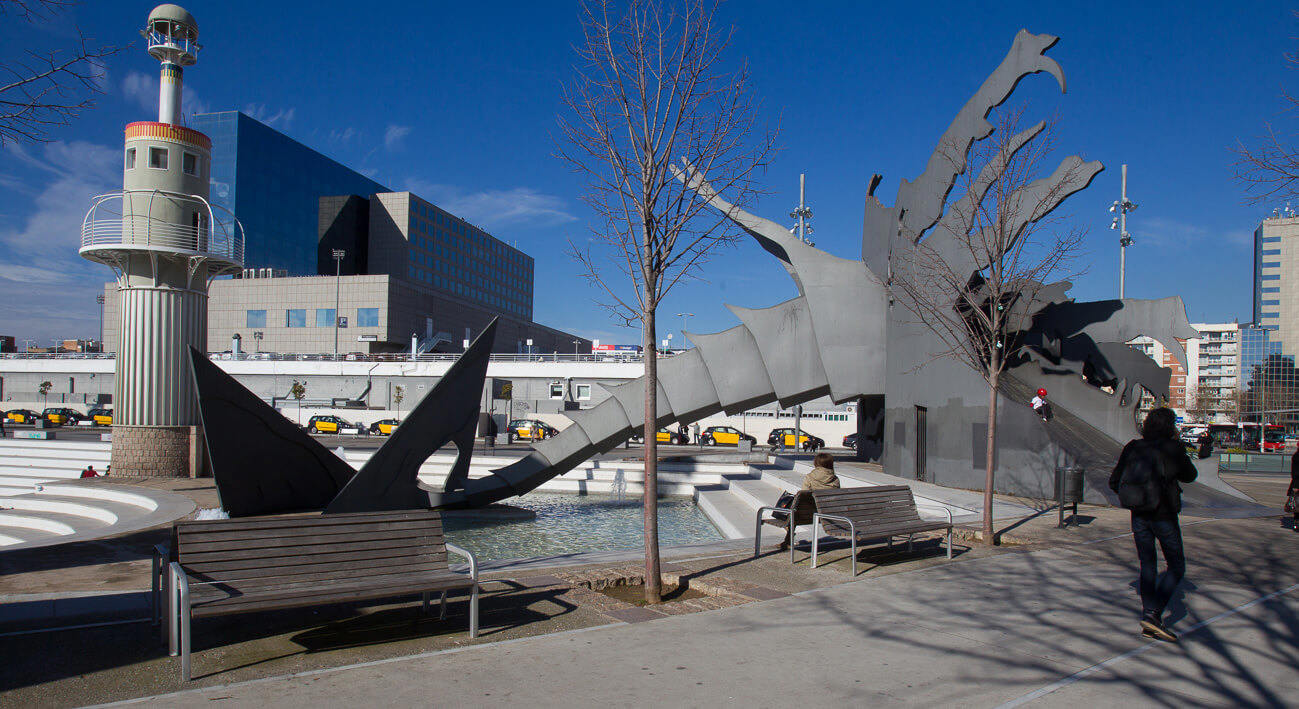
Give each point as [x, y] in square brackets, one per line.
[165, 241]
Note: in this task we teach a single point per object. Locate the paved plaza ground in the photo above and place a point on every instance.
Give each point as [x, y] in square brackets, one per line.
[1049, 618]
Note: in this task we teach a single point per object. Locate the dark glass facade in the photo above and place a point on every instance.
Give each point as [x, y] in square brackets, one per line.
[452, 255]
[273, 184]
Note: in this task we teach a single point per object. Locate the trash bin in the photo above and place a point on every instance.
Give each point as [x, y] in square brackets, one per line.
[1069, 490]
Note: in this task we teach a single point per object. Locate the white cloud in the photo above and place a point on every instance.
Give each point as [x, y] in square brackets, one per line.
[395, 134]
[279, 119]
[143, 90]
[1162, 231]
[494, 208]
[38, 253]
[342, 137]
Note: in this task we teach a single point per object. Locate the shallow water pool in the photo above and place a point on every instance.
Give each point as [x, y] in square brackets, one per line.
[569, 523]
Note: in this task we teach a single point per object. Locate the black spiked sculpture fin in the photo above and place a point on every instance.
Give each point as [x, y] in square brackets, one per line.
[390, 479]
[261, 461]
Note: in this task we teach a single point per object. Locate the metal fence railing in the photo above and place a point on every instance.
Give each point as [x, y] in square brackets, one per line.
[312, 357]
[1254, 463]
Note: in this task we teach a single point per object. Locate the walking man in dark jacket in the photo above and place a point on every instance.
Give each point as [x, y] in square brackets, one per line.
[1160, 452]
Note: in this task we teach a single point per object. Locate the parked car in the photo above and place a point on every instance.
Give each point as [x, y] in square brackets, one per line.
[101, 417]
[663, 436]
[326, 424]
[21, 416]
[785, 437]
[850, 441]
[62, 415]
[384, 427]
[724, 436]
[522, 428]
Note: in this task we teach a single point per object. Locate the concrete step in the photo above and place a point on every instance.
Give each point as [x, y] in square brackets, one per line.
[756, 492]
[48, 523]
[46, 473]
[42, 504]
[14, 535]
[26, 481]
[53, 449]
[76, 464]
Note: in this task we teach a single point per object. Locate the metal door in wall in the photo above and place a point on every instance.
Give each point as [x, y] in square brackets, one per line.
[922, 442]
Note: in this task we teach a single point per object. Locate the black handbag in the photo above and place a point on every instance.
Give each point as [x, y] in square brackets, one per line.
[785, 500]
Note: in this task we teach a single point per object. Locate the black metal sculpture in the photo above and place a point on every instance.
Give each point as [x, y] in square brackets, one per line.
[264, 464]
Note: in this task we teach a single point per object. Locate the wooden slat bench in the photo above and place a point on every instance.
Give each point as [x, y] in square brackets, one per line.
[872, 513]
[250, 564]
[801, 507]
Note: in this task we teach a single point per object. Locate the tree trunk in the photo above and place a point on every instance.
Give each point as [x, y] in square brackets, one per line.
[990, 458]
[653, 581]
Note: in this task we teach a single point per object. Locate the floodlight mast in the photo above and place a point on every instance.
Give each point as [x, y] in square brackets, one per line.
[1122, 207]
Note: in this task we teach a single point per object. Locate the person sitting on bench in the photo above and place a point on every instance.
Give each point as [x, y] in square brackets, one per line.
[822, 477]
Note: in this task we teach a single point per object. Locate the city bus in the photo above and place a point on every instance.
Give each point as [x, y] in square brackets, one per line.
[1249, 436]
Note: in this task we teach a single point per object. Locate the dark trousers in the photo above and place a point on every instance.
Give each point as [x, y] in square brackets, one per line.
[1156, 590]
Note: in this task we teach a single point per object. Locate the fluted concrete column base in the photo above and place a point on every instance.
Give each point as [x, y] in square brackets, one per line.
[158, 451]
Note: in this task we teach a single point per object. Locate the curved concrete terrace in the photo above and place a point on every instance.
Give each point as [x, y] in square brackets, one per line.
[43, 501]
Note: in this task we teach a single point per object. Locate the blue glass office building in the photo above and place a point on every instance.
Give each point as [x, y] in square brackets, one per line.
[273, 184]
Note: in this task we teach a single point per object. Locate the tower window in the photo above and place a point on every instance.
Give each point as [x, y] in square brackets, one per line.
[158, 158]
[189, 163]
[130, 158]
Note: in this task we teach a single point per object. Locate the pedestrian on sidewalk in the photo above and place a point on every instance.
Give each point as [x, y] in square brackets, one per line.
[1292, 492]
[89, 472]
[1146, 480]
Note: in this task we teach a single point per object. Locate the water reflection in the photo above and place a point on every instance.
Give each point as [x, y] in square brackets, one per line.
[567, 523]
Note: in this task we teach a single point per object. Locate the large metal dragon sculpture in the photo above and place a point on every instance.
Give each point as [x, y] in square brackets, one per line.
[844, 336]
[838, 337]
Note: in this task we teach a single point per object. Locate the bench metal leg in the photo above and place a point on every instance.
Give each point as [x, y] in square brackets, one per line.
[424, 602]
[949, 543]
[473, 612]
[173, 619]
[910, 537]
[854, 555]
[184, 634]
[443, 614]
[816, 544]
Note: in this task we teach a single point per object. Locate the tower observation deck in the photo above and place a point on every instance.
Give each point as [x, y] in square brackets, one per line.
[165, 242]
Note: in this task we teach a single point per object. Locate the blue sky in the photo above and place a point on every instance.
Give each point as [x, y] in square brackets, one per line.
[458, 102]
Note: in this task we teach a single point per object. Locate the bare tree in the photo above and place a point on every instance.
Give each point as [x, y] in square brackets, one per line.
[46, 89]
[651, 88]
[976, 280]
[1270, 170]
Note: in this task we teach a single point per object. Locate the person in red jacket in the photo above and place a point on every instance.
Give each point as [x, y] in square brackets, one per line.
[89, 472]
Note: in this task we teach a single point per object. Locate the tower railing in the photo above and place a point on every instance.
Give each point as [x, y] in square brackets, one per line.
[115, 223]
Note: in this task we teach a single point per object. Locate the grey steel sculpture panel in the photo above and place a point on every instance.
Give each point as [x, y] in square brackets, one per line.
[389, 480]
[843, 334]
[262, 463]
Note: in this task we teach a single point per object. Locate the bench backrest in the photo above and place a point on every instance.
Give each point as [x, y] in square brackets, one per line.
[325, 547]
[881, 505]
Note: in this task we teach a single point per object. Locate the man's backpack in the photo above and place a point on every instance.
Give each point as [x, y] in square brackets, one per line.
[1141, 483]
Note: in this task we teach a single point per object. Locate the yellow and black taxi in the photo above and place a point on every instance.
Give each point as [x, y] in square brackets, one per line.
[63, 416]
[326, 424]
[523, 428]
[101, 417]
[724, 436]
[384, 427]
[21, 416]
[785, 437]
[662, 436]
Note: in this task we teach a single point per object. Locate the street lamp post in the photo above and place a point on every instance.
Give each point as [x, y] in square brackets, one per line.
[575, 344]
[100, 299]
[1122, 207]
[338, 280]
[685, 318]
[803, 231]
